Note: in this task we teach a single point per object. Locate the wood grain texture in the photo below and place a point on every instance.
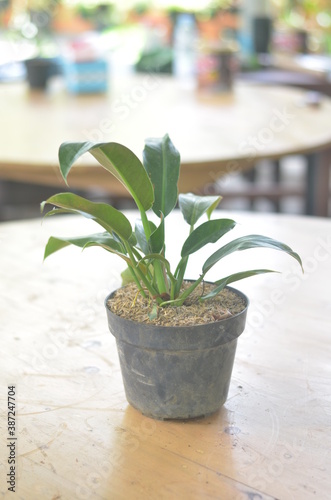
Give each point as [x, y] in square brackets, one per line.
[77, 436]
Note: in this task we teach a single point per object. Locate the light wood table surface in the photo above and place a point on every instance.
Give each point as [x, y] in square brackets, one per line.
[77, 437]
[215, 136]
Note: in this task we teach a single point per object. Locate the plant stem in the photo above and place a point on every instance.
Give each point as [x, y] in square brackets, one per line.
[158, 268]
[141, 275]
[181, 268]
[185, 294]
[160, 280]
[137, 282]
[179, 273]
[146, 225]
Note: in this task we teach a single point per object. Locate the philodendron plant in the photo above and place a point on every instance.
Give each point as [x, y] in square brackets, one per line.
[153, 186]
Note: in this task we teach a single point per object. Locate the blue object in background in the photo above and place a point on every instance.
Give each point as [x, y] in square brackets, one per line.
[86, 77]
[12, 72]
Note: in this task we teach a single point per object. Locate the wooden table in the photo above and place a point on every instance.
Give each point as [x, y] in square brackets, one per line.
[214, 136]
[313, 64]
[77, 438]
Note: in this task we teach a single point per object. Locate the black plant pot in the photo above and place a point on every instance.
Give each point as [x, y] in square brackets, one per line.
[262, 33]
[177, 372]
[39, 70]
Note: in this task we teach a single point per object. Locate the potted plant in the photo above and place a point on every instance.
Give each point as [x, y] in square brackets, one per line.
[44, 62]
[176, 339]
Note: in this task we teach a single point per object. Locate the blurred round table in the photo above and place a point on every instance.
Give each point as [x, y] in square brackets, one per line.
[215, 136]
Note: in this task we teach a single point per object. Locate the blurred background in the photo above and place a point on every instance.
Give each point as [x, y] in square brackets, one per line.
[77, 48]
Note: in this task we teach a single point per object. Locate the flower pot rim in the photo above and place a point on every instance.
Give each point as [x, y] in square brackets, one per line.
[181, 327]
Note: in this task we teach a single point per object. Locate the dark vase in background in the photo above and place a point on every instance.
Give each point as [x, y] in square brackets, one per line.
[262, 31]
[39, 70]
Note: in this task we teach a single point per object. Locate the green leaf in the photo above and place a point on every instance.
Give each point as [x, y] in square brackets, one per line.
[118, 160]
[153, 313]
[105, 215]
[141, 235]
[193, 206]
[69, 152]
[208, 232]
[157, 256]
[156, 241]
[162, 161]
[157, 237]
[245, 243]
[231, 279]
[132, 240]
[54, 211]
[213, 206]
[144, 244]
[54, 244]
[181, 299]
[127, 276]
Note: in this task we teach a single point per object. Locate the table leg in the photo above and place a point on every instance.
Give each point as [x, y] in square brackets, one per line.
[250, 175]
[318, 183]
[277, 180]
[2, 200]
[310, 183]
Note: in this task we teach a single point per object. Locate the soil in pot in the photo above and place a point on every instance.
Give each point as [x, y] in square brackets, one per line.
[130, 304]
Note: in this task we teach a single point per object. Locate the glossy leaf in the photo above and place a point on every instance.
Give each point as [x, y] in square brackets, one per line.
[144, 249]
[214, 205]
[245, 243]
[193, 206]
[105, 215]
[141, 236]
[162, 161]
[54, 211]
[54, 244]
[69, 152]
[231, 279]
[132, 240]
[157, 237]
[208, 232]
[118, 160]
[156, 241]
